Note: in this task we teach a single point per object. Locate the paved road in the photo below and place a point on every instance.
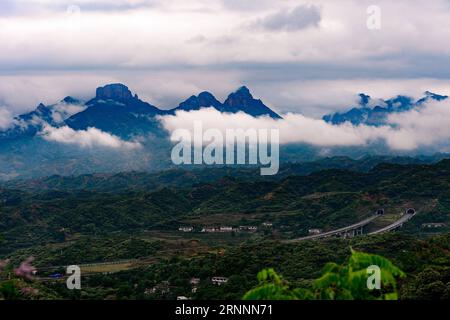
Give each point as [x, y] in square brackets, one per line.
[405, 218]
[338, 231]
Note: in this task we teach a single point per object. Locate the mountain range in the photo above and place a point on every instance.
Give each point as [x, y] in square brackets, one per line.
[375, 112]
[26, 153]
[116, 110]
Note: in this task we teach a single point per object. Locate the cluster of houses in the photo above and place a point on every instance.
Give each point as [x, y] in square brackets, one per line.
[218, 281]
[224, 229]
[163, 288]
[314, 231]
[194, 284]
[433, 225]
[186, 229]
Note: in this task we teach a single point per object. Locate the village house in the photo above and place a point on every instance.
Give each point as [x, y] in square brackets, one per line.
[222, 229]
[432, 225]
[209, 230]
[314, 231]
[226, 229]
[194, 283]
[248, 228]
[161, 288]
[218, 281]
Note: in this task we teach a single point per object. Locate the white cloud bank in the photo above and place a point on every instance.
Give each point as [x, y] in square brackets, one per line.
[62, 111]
[409, 131]
[5, 118]
[89, 138]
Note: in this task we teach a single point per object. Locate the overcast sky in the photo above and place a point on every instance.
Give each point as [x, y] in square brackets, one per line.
[309, 57]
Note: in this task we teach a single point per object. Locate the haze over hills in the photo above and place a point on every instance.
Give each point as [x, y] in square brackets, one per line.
[177, 177]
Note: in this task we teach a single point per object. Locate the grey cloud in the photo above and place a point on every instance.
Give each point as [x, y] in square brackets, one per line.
[116, 5]
[184, 51]
[246, 5]
[197, 39]
[7, 7]
[299, 18]
[10, 8]
[24, 8]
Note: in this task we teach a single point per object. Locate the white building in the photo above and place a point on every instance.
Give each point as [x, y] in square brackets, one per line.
[248, 228]
[219, 280]
[314, 231]
[431, 225]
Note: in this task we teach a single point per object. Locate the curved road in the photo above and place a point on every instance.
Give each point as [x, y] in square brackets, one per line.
[397, 224]
[338, 231]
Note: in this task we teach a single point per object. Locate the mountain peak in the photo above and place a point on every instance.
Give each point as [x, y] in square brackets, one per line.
[243, 90]
[203, 100]
[41, 106]
[364, 99]
[242, 93]
[242, 100]
[205, 95]
[70, 100]
[239, 97]
[435, 96]
[378, 114]
[115, 91]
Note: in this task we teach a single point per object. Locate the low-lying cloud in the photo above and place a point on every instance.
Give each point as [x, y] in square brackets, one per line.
[89, 138]
[5, 118]
[62, 111]
[408, 131]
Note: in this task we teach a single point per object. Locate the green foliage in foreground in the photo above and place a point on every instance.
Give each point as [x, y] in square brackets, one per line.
[337, 282]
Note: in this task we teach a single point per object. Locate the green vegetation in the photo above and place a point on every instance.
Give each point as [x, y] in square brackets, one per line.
[325, 199]
[62, 224]
[425, 263]
[337, 282]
